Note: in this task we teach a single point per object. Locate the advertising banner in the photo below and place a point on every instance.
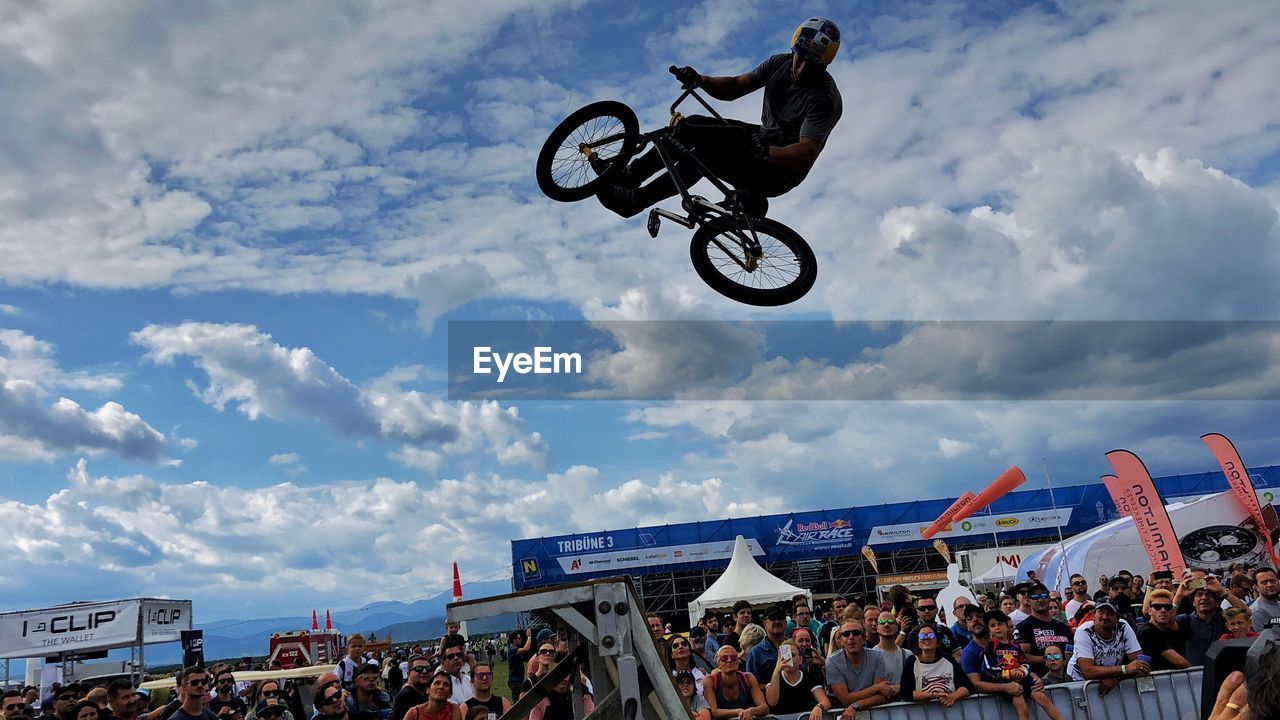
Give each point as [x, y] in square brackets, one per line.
[1008, 481]
[945, 518]
[1046, 520]
[69, 628]
[164, 620]
[1241, 486]
[1148, 512]
[669, 555]
[192, 647]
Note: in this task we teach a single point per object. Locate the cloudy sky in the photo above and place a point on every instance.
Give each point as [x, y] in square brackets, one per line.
[234, 234]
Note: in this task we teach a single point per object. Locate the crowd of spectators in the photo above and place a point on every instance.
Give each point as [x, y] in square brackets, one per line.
[791, 659]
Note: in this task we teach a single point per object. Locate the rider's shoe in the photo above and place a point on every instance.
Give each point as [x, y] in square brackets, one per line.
[621, 199]
[601, 165]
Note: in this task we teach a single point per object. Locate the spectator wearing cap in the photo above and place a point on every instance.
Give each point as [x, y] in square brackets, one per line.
[1106, 650]
[452, 657]
[369, 702]
[687, 686]
[699, 640]
[856, 679]
[1022, 593]
[764, 655]
[1164, 639]
[1040, 630]
[270, 709]
[414, 691]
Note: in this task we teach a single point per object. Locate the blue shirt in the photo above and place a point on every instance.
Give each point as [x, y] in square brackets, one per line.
[971, 659]
[761, 659]
[963, 636]
[713, 645]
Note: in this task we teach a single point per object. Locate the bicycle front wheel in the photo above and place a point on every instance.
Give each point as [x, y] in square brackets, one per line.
[784, 271]
[607, 130]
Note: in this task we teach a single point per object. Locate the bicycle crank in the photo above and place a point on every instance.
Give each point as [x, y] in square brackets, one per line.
[754, 256]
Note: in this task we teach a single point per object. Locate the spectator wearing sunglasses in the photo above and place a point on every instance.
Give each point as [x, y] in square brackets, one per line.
[927, 608]
[193, 683]
[329, 703]
[856, 679]
[452, 657]
[264, 690]
[700, 640]
[414, 692]
[546, 658]
[1040, 630]
[482, 679]
[15, 707]
[368, 702]
[1055, 662]
[225, 703]
[887, 631]
[1164, 639]
[731, 689]
[270, 709]
[680, 659]
[932, 675]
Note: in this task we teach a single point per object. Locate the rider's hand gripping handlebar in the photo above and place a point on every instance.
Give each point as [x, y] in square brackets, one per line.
[688, 77]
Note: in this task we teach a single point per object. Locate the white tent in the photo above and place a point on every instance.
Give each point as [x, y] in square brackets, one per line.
[1001, 572]
[1209, 533]
[744, 579]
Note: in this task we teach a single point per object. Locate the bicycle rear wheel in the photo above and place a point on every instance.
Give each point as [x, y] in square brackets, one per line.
[783, 274]
[608, 128]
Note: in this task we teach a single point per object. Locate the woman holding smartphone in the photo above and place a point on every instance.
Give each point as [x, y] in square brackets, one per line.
[793, 690]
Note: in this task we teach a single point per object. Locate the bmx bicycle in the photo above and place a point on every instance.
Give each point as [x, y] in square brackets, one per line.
[735, 250]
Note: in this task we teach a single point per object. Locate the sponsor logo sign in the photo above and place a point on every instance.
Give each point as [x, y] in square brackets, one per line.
[822, 533]
[1013, 522]
[650, 556]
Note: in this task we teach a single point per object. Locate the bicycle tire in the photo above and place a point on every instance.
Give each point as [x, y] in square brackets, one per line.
[786, 273]
[560, 165]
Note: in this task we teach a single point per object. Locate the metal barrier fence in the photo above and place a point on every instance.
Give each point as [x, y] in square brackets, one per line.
[1167, 695]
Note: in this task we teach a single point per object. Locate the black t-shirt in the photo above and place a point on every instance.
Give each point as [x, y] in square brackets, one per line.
[1202, 634]
[515, 665]
[1155, 641]
[792, 110]
[240, 706]
[494, 703]
[1040, 634]
[796, 698]
[405, 699]
[181, 714]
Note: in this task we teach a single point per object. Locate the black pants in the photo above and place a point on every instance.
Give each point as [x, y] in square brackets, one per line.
[725, 149]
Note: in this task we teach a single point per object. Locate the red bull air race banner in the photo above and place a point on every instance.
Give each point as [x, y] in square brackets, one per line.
[1019, 515]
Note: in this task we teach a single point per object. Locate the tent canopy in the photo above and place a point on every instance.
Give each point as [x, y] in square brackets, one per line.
[744, 579]
[1001, 572]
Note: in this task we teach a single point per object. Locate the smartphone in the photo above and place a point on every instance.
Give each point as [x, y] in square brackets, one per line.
[785, 654]
[1197, 583]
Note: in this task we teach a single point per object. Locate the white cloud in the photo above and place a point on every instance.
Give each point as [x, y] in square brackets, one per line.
[135, 534]
[36, 426]
[950, 448]
[250, 370]
[284, 459]
[8, 309]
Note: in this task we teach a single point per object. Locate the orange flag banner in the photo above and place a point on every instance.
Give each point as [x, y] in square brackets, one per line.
[946, 517]
[1238, 478]
[870, 555]
[1116, 488]
[1148, 513]
[1002, 486]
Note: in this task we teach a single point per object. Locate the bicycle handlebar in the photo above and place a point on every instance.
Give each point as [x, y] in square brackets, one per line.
[689, 91]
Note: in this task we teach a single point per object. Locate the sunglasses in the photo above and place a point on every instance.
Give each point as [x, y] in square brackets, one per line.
[887, 622]
[419, 669]
[1079, 582]
[482, 675]
[728, 659]
[1161, 606]
[270, 693]
[331, 699]
[453, 656]
[226, 681]
[926, 608]
[198, 683]
[1039, 596]
[544, 651]
[927, 636]
[1052, 656]
[851, 633]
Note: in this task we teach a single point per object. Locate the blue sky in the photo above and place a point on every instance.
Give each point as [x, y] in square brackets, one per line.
[235, 234]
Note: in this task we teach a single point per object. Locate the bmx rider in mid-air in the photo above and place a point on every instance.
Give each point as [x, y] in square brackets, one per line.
[801, 106]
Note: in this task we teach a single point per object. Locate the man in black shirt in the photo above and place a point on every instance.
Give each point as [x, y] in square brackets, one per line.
[1164, 639]
[928, 610]
[225, 704]
[122, 701]
[482, 677]
[519, 648]
[801, 107]
[414, 691]
[193, 689]
[1041, 630]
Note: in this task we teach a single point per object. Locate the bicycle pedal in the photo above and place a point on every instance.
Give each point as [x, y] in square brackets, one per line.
[654, 222]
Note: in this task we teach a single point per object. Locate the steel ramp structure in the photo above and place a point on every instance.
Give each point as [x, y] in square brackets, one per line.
[609, 639]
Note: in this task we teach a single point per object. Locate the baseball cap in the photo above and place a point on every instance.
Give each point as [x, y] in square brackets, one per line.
[269, 704]
[1106, 605]
[777, 612]
[684, 676]
[1162, 575]
[368, 669]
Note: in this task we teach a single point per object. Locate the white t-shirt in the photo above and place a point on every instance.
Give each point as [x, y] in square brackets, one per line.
[1018, 616]
[1111, 653]
[462, 689]
[1073, 606]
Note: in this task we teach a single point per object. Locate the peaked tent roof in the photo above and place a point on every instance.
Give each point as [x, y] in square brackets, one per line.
[744, 579]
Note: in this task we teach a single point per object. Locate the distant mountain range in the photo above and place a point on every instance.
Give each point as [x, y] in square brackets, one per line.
[404, 622]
